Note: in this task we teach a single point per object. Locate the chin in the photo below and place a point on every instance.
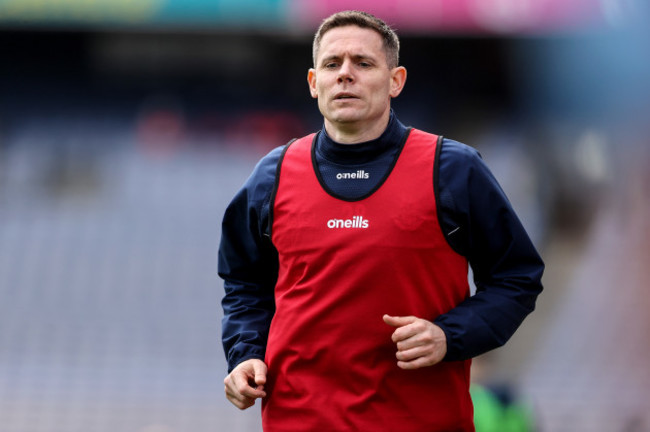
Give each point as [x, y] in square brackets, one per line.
[347, 117]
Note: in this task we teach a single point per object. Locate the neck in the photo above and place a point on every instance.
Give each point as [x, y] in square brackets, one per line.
[361, 153]
[354, 133]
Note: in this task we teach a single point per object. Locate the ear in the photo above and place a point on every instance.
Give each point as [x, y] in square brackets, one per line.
[397, 80]
[311, 79]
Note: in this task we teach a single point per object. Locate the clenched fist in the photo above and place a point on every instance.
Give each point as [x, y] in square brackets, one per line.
[420, 343]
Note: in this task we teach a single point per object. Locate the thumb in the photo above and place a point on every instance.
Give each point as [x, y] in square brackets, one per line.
[259, 368]
[398, 321]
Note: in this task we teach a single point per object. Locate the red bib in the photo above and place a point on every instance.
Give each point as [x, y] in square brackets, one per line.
[343, 265]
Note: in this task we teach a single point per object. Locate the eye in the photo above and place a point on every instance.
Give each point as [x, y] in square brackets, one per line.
[364, 64]
[331, 65]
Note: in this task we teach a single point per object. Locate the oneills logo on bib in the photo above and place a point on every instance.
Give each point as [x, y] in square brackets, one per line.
[355, 222]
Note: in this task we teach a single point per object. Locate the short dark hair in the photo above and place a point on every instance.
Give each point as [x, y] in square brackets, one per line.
[363, 20]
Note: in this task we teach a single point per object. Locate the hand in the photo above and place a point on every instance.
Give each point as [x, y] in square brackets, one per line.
[246, 383]
[420, 343]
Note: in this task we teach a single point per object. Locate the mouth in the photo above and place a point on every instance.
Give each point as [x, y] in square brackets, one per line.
[345, 96]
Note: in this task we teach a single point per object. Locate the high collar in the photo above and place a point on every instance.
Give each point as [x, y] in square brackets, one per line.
[350, 154]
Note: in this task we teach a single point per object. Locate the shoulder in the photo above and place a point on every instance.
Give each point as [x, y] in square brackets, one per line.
[452, 152]
[460, 164]
[262, 178]
[458, 153]
[256, 190]
[268, 164]
[462, 176]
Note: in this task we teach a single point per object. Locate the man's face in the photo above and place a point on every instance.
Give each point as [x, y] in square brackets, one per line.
[352, 81]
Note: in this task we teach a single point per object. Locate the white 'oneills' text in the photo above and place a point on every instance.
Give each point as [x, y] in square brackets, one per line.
[360, 175]
[355, 222]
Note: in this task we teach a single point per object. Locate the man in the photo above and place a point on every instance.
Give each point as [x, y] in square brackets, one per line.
[345, 259]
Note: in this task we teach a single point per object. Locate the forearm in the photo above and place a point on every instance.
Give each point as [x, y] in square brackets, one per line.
[488, 319]
[248, 266]
[248, 311]
[249, 271]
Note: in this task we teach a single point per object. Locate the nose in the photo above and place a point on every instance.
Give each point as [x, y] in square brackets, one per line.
[345, 72]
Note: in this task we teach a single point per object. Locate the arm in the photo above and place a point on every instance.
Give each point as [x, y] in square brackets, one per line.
[248, 265]
[507, 268]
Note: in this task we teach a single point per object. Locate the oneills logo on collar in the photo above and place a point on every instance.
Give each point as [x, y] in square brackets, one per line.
[359, 175]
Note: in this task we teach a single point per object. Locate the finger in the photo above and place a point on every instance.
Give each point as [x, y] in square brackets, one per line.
[398, 321]
[409, 343]
[405, 327]
[240, 402]
[417, 363]
[249, 391]
[239, 398]
[413, 353]
[413, 336]
[240, 383]
[410, 332]
[234, 396]
[244, 405]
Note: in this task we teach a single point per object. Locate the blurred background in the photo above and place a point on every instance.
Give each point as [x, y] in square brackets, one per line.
[126, 128]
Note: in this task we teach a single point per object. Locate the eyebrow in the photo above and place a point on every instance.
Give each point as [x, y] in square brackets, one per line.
[355, 57]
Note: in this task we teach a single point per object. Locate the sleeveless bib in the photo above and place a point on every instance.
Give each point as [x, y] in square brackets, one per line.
[343, 265]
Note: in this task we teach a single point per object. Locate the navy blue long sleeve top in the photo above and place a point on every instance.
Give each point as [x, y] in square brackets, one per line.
[475, 216]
